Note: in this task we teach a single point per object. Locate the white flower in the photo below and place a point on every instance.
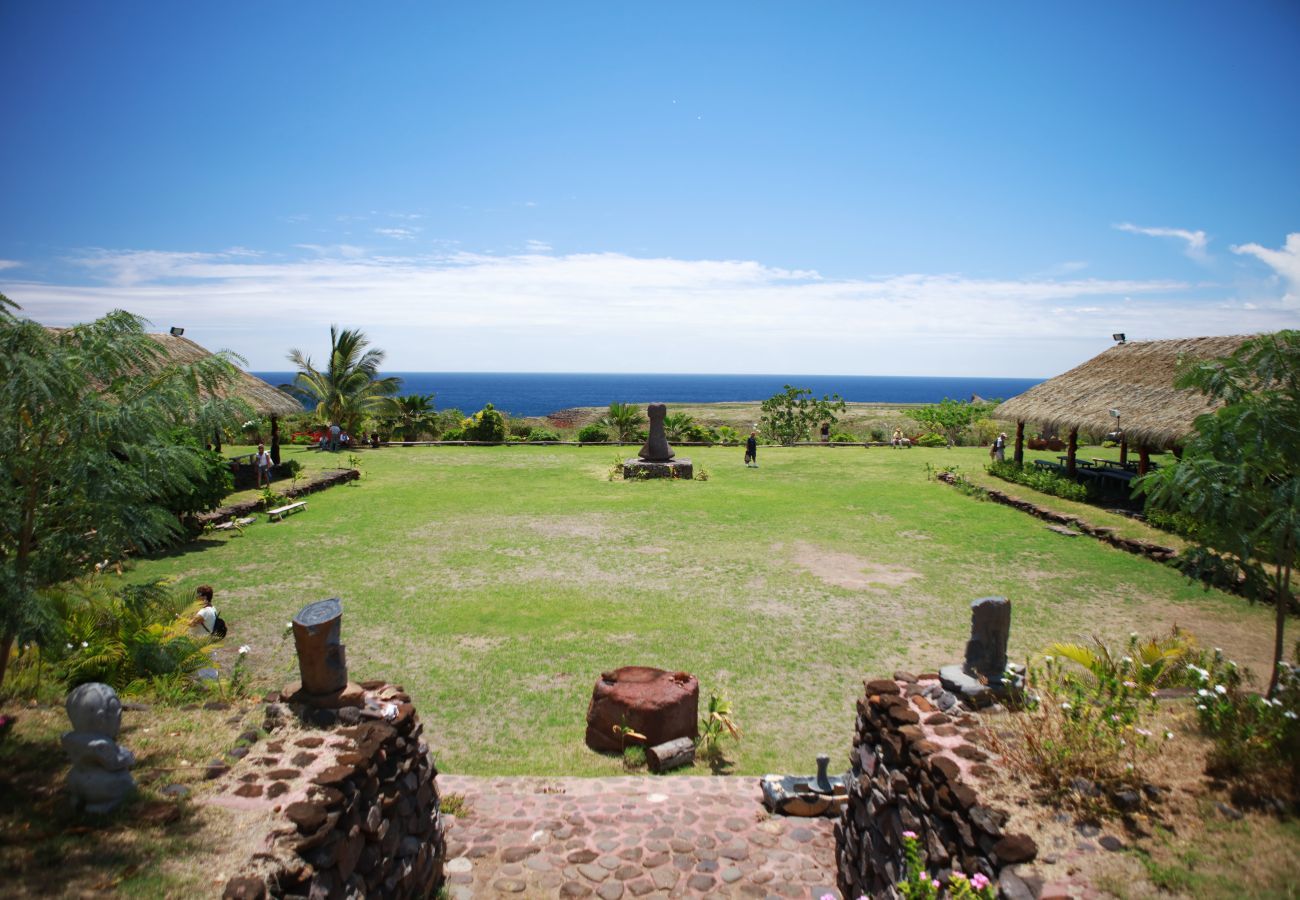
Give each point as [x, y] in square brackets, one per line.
[1132, 634]
[1143, 732]
[1220, 689]
[1066, 706]
[1290, 714]
[1128, 766]
[1126, 659]
[1114, 717]
[1048, 658]
[1202, 692]
[1130, 684]
[244, 649]
[1201, 707]
[84, 645]
[288, 625]
[69, 646]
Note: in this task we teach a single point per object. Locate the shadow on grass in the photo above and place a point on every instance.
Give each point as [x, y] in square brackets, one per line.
[48, 849]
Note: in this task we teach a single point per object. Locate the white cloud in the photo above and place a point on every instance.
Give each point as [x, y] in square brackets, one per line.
[401, 234]
[613, 312]
[537, 246]
[9, 264]
[1196, 240]
[1285, 262]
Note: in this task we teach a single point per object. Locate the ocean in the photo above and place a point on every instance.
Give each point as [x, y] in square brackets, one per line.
[537, 394]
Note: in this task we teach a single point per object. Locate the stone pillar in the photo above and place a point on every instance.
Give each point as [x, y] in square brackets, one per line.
[321, 658]
[990, 626]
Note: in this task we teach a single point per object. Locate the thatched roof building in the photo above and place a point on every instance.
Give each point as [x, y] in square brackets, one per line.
[264, 399]
[1136, 378]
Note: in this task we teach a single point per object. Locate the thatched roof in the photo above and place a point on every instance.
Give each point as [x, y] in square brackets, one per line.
[1137, 378]
[264, 399]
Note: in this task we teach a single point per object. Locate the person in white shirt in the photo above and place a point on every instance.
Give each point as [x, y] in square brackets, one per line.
[263, 463]
[207, 617]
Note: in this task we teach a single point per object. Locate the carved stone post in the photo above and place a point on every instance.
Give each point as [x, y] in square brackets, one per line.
[990, 626]
[321, 658]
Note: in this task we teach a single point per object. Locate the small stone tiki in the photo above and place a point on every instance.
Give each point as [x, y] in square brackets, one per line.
[99, 779]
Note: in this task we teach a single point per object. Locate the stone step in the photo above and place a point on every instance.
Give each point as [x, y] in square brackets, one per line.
[679, 836]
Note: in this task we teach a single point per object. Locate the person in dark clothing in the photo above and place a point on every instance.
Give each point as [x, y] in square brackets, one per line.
[751, 450]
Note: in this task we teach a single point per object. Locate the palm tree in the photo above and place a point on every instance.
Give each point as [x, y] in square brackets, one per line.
[625, 419]
[349, 388]
[412, 416]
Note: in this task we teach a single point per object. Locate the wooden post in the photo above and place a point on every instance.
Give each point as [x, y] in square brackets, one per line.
[216, 439]
[1123, 449]
[1020, 444]
[321, 658]
[275, 439]
[1144, 460]
[1073, 449]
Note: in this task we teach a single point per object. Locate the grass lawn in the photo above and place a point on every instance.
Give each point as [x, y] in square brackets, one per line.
[496, 583]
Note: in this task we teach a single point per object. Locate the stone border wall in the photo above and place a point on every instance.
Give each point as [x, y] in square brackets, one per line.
[917, 766]
[367, 822]
[245, 507]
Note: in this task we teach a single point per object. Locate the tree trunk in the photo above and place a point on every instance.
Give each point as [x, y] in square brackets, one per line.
[1070, 467]
[670, 755]
[216, 439]
[1123, 450]
[1020, 444]
[1282, 602]
[275, 440]
[6, 645]
[1144, 460]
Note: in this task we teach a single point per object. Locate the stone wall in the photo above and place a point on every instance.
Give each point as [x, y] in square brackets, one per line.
[247, 507]
[917, 765]
[355, 802]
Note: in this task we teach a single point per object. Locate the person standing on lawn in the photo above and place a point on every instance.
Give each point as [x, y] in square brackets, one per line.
[263, 463]
[751, 450]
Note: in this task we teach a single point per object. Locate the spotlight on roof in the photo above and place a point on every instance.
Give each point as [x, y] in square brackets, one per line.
[1115, 413]
[178, 331]
[1118, 337]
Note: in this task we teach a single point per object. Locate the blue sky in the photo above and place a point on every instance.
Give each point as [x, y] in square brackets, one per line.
[855, 188]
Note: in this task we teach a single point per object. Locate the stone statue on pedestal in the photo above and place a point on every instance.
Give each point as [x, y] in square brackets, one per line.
[99, 779]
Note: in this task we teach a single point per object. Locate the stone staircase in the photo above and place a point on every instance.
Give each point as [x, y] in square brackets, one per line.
[676, 836]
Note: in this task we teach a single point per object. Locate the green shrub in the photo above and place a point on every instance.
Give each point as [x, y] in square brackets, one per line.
[1044, 480]
[725, 434]
[593, 434]
[931, 440]
[841, 437]
[521, 430]
[453, 434]
[1178, 523]
[485, 425]
[1252, 734]
[542, 434]
[879, 435]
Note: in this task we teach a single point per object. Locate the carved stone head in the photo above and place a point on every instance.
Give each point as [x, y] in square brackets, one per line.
[95, 708]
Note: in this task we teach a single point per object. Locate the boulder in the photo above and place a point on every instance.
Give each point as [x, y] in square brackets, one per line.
[655, 703]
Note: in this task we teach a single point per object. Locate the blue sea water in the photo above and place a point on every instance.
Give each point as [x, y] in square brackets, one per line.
[537, 394]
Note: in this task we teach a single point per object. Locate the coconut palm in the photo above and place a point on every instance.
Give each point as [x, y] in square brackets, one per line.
[349, 388]
[412, 416]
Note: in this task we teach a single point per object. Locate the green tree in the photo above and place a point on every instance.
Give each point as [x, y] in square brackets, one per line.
[349, 388]
[92, 467]
[950, 417]
[625, 418]
[792, 415]
[412, 415]
[1239, 476]
[485, 425]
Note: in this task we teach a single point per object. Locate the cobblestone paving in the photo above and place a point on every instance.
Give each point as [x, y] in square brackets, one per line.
[692, 836]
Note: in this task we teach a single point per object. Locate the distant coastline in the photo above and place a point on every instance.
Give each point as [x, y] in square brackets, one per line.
[538, 394]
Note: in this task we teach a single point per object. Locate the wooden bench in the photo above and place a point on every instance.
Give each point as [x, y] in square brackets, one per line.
[282, 511]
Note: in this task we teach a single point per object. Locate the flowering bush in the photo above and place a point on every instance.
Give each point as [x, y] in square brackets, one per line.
[918, 885]
[485, 425]
[1251, 733]
[1083, 724]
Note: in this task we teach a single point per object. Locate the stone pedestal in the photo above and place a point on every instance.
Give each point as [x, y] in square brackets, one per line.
[644, 468]
[660, 705]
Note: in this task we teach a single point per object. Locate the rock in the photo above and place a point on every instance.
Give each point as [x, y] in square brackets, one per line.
[158, 813]
[244, 887]
[1228, 812]
[307, 815]
[1061, 529]
[1085, 787]
[1015, 848]
[1111, 843]
[1126, 801]
[882, 686]
[1012, 887]
[215, 769]
[175, 790]
[658, 704]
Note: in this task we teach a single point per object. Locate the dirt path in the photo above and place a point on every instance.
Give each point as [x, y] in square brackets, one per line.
[636, 836]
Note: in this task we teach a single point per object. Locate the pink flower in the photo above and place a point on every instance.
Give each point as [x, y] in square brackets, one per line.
[909, 835]
[935, 884]
[980, 881]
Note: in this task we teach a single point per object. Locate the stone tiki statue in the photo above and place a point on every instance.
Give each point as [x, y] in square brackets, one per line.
[655, 448]
[99, 779]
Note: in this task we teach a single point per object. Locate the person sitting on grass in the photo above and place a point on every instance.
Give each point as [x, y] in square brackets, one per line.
[207, 617]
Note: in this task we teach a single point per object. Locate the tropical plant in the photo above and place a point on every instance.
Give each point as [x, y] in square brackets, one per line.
[349, 388]
[485, 425]
[1150, 664]
[716, 724]
[412, 416]
[536, 435]
[594, 433]
[677, 424]
[725, 434]
[950, 417]
[92, 468]
[625, 419]
[1239, 476]
[792, 414]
